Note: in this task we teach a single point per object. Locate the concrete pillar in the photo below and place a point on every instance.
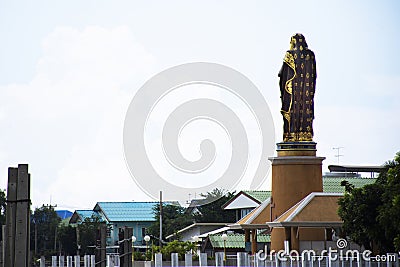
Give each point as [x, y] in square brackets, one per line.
[61, 261]
[92, 261]
[69, 261]
[242, 259]
[188, 259]
[53, 261]
[77, 261]
[296, 172]
[158, 260]
[203, 259]
[86, 261]
[219, 259]
[42, 262]
[174, 260]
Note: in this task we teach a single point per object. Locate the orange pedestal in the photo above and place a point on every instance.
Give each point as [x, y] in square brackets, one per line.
[296, 172]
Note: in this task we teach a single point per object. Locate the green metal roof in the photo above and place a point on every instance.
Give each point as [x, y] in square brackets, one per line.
[127, 211]
[235, 240]
[332, 184]
[261, 196]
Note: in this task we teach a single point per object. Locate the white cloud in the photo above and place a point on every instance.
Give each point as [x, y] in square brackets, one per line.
[67, 122]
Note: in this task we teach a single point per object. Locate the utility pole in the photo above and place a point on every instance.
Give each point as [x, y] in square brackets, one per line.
[338, 153]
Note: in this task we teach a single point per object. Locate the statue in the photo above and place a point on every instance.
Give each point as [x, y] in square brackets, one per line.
[297, 84]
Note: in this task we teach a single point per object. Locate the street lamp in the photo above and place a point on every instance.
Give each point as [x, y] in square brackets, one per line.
[224, 237]
[133, 249]
[147, 239]
[196, 239]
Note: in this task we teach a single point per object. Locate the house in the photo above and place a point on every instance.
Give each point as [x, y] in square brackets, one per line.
[80, 215]
[245, 201]
[138, 215]
[255, 222]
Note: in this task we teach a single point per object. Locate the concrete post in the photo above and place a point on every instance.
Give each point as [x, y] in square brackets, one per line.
[174, 260]
[22, 220]
[69, 261]
[242, 259]
[11, 210]
[188, 259]
[203, 259]
[53, 261]
[61, 261]
[259, 259]
[158, 260]
[77, 260]
[219, 259]
[86, 261]
[92, 260]
[42, 262]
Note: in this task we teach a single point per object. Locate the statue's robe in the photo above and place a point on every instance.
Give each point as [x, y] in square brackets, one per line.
[297, 84]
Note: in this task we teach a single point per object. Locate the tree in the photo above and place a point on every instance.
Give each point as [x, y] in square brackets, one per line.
[174, 219]
[389, 211]
[180, 247]
[67, 239]
[358, 210]
[212, 211]
[371, 214]
[88, 232]
[44, 224]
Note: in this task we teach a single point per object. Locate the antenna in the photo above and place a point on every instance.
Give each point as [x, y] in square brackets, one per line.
[338, 153]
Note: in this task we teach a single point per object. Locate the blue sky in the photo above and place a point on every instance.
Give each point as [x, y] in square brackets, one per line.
[70, 68]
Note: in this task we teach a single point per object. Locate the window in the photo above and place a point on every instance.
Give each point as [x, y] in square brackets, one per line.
[244, 212]
[143, 231]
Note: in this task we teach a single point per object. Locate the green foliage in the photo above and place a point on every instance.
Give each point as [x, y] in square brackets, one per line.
[44, 224]
[358, 210]
[87, 232]
[67, 239]
[177, 247]
[180, 247]
[174, 219]
[213, 212]
[389, 211]
[371, 214]
[139, 256]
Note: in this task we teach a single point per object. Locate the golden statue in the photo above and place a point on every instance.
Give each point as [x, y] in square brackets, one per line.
[297, 84]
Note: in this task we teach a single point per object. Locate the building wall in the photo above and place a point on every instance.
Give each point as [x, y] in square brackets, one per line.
[138, 231]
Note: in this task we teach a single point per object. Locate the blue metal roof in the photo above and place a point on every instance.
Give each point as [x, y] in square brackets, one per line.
[127, 211]
[83, 214]
[63, 214]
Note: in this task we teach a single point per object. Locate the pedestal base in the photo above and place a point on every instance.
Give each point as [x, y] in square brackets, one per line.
[296, 172]
[296, 149]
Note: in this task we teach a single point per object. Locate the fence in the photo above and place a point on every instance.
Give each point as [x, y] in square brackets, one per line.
[241, 259]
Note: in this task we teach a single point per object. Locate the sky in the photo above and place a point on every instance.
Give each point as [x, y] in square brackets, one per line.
[69, 70]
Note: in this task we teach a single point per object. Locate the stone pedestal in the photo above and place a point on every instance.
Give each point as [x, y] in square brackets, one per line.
[296, 172]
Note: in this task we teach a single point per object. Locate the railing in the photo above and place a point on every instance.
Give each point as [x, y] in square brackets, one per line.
[241, 259]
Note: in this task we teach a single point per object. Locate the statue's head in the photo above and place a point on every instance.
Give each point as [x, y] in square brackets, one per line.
[298, 42]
